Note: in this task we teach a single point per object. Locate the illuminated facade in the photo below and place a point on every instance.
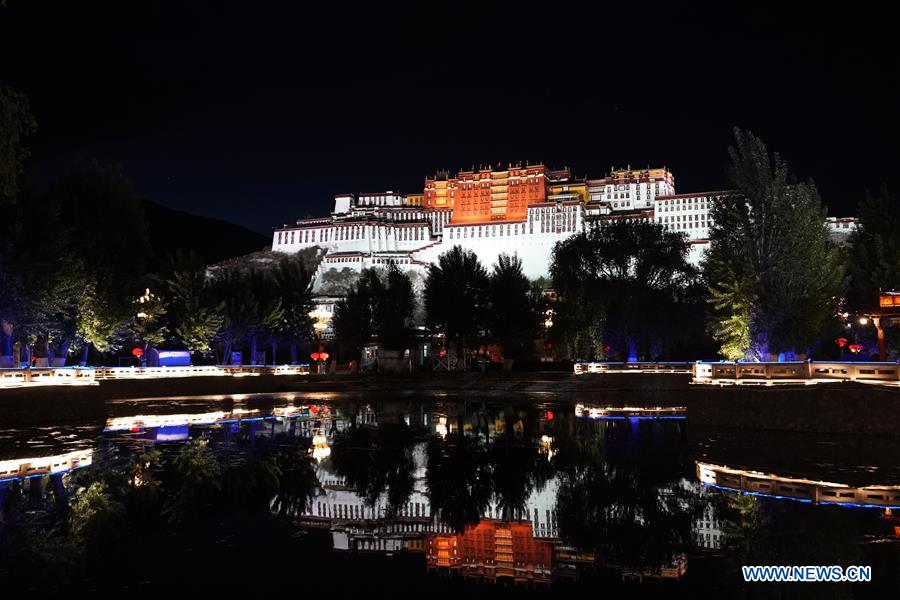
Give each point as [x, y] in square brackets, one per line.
[488, 194]
[627, 189]
[520, 209]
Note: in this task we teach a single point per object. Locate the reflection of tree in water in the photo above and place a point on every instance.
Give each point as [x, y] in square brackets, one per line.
[458, 479]
[620, 494]
[375, 460]
[469, 468]
[517, 467]
[762, 531]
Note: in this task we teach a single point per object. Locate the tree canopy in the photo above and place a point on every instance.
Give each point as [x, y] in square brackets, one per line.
[619, 287]
[16, 124]
[774, 276]
[381, 303]
[456, 297]
[513, 318]
[874, 263]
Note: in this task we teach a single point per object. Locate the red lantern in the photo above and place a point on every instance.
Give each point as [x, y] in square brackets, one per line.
[841, 342]
[137, 352]
[855, 348]
[314, 356]
[323, 356]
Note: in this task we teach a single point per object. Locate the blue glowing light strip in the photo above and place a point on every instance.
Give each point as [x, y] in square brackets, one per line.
[642, 417]
[806, 500]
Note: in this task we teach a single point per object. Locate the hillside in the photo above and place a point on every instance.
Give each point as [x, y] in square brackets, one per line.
[214, 240]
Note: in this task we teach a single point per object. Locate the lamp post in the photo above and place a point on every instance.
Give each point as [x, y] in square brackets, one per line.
[882, 344]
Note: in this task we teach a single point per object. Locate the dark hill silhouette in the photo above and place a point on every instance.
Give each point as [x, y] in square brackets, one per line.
[214, 240]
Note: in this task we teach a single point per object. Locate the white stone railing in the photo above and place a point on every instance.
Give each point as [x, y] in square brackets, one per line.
[633, 367]
[810, 372]
[12, 378]
[46, 376]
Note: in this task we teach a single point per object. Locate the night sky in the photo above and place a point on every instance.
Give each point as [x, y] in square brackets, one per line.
[260, 115]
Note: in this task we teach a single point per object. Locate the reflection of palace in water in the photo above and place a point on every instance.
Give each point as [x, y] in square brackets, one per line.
[524, 545]
[520, 545]
[357, 524]
[492, 550]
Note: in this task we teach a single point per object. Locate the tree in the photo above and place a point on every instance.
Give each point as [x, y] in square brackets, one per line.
[577, 313]
[77, 247]
[456, 297]
[16, 124]
[251, 308]
[98, 323]
[874, 263]
[196, 315]
[293, 283]
[622, 281]
[774, 277]
[267, 321]
[147, 325]
[394, 308]
[354, 316]
[513, 317]
[337, 282]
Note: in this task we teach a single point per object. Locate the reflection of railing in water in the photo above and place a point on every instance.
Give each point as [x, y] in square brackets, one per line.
[632, 367]
[630, 412]
[22, 468]
[208, 418]
[804, 490]
[810, 372]
[198, 371]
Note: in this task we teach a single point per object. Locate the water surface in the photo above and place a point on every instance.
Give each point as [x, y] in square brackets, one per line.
[436, 494]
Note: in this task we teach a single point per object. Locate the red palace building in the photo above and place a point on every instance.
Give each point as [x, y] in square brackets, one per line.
[490, 193]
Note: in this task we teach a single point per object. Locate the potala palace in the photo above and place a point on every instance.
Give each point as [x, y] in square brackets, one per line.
[521, 210]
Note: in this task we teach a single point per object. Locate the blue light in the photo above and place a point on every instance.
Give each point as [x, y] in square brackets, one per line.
[805, 500]
[638, 417]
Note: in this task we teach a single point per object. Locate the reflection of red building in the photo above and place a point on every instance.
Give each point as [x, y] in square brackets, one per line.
[492, 550]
